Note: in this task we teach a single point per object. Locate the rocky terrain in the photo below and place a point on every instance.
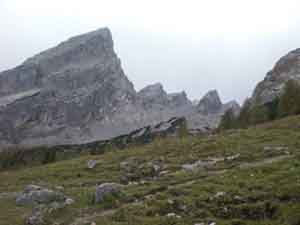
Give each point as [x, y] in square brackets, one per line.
[20, 157]
[77, 92]
[288, 67]
[245, 177]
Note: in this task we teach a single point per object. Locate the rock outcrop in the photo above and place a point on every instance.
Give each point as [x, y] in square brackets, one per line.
[287, 68]
[206, 115]
[171, 128]
[34, 194]
[234, 106]
[64, 95]
[77, 93]
[210, 103]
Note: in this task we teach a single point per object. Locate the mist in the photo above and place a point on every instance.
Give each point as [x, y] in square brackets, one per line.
[193, 46]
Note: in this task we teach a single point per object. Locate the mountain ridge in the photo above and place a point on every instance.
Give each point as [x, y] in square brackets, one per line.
[77, 92]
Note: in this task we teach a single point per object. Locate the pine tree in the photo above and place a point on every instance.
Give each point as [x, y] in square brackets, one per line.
[228, 120]
[273, 109]
[258, 114]
[244, 117]
[289, 101]
[251, 115]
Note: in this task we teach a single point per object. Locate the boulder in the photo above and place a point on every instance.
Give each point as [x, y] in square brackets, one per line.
[33, 194]
[91, 164]
[69, 201]
[173, 215]
[35, 219]
[105, 190]
[200, 164]
[132, 170]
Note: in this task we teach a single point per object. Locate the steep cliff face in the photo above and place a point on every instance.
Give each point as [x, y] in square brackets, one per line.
[56, 95]
[288, 67]
[77, 92]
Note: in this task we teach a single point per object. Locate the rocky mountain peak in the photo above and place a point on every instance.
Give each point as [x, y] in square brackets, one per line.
[81, 61]
[78, 49]
[288, 64]
[232, 105]
[288, 67]
[152, 90]
[77, 92]
[58, 95]
[154, 93]
[179, 99]
[210, 103]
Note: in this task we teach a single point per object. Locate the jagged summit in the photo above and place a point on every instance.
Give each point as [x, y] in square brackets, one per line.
[77, 92]
[179, 98]
[210, 103]
[76, 86]
[90, 44]
[153, 91]
[232, 105]
[76, 63]
[288, 67]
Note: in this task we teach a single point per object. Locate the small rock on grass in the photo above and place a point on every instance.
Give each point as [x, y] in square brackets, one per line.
[106, 189]
[91, 164]
[34, 194]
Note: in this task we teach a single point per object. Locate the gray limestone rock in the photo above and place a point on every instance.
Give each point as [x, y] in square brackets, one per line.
[287, 68]
[77, 93]
[33, 194]
[35, 219]
[210, 103]
[91, 164]
[105, 190]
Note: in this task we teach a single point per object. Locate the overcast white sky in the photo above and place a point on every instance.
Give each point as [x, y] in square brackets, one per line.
[186, 45]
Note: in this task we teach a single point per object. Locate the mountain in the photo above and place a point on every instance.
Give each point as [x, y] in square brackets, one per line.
[207, 113]
[77, 92]
[210, 103]
[64, 94]
[234, 106]
[288, 67]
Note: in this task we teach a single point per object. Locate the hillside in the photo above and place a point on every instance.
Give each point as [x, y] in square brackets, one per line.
[249, 176]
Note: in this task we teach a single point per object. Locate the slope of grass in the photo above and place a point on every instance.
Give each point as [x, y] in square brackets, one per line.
[260, 186]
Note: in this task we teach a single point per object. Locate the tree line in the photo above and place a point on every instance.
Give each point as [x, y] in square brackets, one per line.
[287, 104]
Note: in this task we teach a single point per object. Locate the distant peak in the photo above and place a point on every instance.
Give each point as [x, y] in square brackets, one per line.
[179, 98]
[94, 42]
[105, 33]
[210, 103]
[232, 105]
[213, 93]
[177, 94]
[156, 88]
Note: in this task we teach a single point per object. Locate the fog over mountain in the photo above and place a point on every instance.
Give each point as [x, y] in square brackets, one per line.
[181, 44]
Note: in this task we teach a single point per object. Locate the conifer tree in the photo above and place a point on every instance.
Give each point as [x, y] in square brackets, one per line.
[228, 120]
[258, 114]
[244, 117]
[289, 101]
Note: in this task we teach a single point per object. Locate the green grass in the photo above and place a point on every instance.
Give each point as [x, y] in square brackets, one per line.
[258, 191]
